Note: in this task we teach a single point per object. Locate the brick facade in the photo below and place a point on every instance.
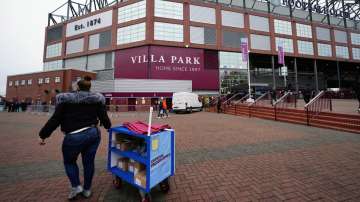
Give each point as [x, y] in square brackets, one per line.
[44, 92]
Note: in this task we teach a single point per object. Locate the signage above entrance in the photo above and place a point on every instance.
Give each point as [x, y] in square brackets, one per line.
[91, 23]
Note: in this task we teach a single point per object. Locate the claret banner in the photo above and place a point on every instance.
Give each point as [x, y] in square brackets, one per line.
[160, 62]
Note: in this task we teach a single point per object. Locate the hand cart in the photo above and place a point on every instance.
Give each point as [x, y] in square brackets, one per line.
[156, 155]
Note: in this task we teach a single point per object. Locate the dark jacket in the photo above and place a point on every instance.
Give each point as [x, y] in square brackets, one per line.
[75, 111]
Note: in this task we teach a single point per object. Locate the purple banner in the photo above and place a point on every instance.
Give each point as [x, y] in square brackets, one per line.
[281, 55]
[245, 51]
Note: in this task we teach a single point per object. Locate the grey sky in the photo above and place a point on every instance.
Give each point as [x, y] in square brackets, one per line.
[22, 36]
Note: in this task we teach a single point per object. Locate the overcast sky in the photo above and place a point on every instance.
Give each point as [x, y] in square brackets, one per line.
[22, 36]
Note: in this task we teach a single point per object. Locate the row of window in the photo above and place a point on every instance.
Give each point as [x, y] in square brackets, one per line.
[29, 81]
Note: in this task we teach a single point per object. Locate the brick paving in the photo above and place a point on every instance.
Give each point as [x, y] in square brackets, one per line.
[219, 158]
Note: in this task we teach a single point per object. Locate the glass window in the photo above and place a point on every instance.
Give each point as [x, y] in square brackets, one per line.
[197, 35]
[323, 33]
[286, 43]
[132, 12]
[342, 52]
[259, 23]
[340, 36]
[356, 53]
[132, 33]
[232, 19]
[55, 33]
[282, 27]
[168, 32]
[52, 65]
[53, 50]
[260, 42]
[303, 30]
[47, 80]
[16, 83]
[202, 14]
[23, 82]
[305, 47]
[57, 79]
[10, 83]
[324, 50]
[75, 46]
[167, 9]
[29, 82]
[40, 80]
[232, 39]
[355, 38]
[231, 60]
[100, 40]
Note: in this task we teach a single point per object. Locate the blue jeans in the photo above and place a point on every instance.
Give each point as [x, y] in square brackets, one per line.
[86, 143]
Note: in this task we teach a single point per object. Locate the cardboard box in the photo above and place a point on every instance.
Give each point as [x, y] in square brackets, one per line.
[138, 167]
[123, 163]
[140, 179]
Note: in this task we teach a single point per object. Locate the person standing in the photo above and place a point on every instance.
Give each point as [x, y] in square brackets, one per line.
[78, 113]
[306, 95]
[218, 105]
[164, 106]
[160, 112]
[357, 92]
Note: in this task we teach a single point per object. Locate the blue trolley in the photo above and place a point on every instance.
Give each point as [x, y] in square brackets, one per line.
[157, 159]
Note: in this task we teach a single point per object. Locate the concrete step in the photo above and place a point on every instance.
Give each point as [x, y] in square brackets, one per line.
[335, 123]
[335, 128]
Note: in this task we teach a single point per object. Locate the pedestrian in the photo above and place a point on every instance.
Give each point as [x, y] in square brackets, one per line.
[78, 113]
[160, 113]
[357, 92]
[164, 107]
[306, 95]
[273, 97]
[218, 105]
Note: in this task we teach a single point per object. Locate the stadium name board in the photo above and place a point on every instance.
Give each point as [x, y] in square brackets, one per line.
[304, 5]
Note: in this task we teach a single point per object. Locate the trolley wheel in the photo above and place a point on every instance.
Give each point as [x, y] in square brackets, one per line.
[117, 182]
[165, 186]
[147, 198]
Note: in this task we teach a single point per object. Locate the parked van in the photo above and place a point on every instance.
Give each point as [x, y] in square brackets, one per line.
[186, 102]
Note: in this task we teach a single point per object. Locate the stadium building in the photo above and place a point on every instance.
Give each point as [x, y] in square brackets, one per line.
[152, 48]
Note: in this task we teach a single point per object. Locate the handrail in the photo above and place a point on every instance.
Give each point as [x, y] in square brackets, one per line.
[231, 98]
[242, 99]
[282, 98]
[314, 99]
[259, 98]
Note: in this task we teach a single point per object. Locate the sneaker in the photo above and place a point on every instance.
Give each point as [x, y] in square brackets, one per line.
[86, 193]
[74, 191]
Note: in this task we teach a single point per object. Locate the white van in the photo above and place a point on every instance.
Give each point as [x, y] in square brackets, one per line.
[186, 102]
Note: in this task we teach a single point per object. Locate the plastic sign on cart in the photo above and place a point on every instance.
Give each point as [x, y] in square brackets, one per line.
[160, 157]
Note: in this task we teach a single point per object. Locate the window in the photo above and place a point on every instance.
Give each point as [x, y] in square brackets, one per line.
[55, 33]
[355, 38]
[29, 82]
[323, 33]
[132, 33]
[303, 30]
[260, 42]
[305, 47]
[132, 12]
[232, 39]
[75, 46]
[167, 9]
[282, 27]
[202, 14]
[168, 32]
[16, 83]
[100, 40]
[57, 79]
[40, 80]
[324, 50]
[232, 19]
[259, 23]
[286, 43]
[231, 60]
[356, 53]
[342, 52]
[203, 35]
[340, 36]
[10, 83]
[23, 82]
[57, 64]
[53, 50]
[47, 80]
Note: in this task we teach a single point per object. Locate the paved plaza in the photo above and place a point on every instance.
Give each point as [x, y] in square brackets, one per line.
[218, 158]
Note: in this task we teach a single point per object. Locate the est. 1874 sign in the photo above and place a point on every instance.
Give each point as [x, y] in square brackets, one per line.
[91, 23]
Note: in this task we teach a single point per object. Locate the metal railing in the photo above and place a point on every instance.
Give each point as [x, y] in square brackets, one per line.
[320, 102]
[264, 99]
[288, 100]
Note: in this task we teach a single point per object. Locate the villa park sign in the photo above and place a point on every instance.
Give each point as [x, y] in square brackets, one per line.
[304, 5]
